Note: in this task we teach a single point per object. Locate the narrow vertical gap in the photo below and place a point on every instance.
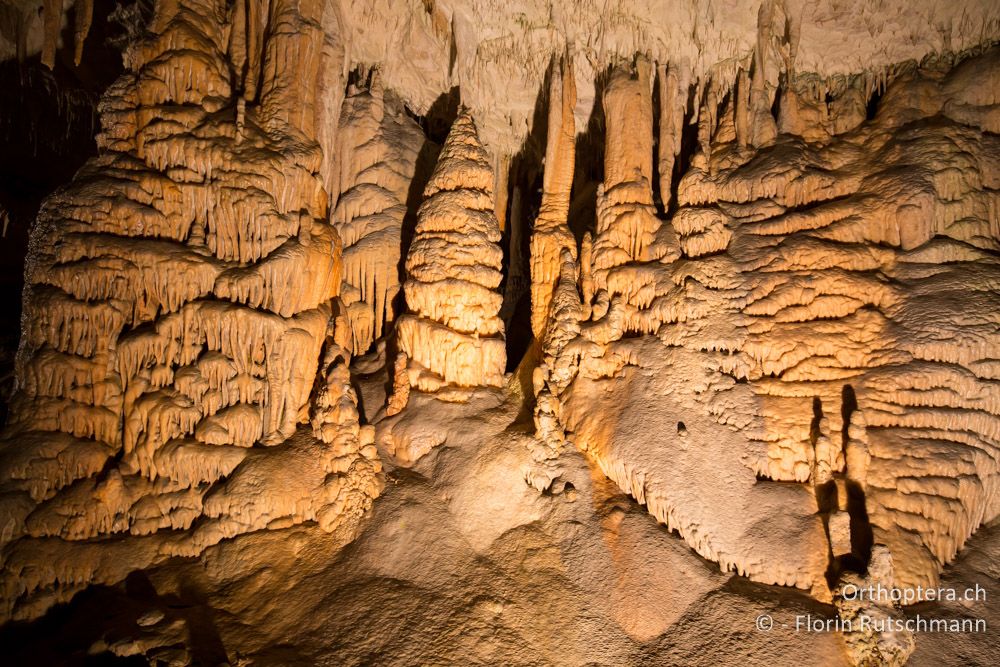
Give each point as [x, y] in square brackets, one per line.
[871, 108]
[689, 147]
[848, 404]
[523, 201]
[588, 172]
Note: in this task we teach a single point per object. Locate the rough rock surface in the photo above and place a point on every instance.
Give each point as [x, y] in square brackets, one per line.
[452, 334]
[763, 337]
[380, 148]
[533, 580]
[832, 312]
[178, 299]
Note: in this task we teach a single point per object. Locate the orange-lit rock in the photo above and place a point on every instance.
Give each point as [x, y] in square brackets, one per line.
[452, 335]
[525, 333]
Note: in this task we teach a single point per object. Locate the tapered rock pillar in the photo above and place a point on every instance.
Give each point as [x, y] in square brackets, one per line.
[452, 334]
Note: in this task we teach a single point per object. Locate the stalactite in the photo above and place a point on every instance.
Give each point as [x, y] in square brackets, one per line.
[256, 14]
[763, 82]
[741, 109]
[84, 10]
[52, 19]
[551, 232]
[672, 101]
[707, 120]
[794, 365]
[811, 315]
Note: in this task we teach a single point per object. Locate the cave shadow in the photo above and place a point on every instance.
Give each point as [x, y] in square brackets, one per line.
[688, 149]
[435, 126]
[48, 125]
[72, 633]
[524, 188]
[588, 173]
[828, 500]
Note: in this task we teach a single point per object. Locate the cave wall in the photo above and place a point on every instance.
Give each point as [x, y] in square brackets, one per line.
[768, 313]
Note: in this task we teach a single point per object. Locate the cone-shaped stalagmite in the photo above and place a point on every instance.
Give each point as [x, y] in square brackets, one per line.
[452, 334]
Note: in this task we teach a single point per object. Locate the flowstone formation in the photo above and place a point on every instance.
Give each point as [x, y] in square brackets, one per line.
[178, 302]
[576, 332]
[380, 149]
[831, 308]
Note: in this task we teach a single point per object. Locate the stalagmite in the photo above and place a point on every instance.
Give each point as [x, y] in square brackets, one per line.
[555, 374]
[551, 232]
[626, 221]
[452, 335]
[350, 460]
[400, 386]
[872, 620]
[261, 369]
[629, 233]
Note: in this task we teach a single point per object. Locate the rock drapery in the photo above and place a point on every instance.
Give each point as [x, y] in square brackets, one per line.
[815, 295]
[380, 149]
[179, 294]
[766, 308]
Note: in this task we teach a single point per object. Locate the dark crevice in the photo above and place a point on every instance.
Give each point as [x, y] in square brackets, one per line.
[689, 148]
[848, 404]
[426, 159]
[871, 108]
[817, 409]
[862, 537]
[828, 501]
[588, 171]
[436, 123]
[524, 199]
[48, 123]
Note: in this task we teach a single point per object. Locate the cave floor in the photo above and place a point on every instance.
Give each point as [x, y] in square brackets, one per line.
[460, 562]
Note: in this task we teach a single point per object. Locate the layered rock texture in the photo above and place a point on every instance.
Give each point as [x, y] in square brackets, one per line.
[825, 321]
[528, 333]
[178, 301]
[380, 148]
[453, 335]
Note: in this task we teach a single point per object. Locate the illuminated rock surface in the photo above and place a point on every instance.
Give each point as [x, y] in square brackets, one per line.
[510, 333]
